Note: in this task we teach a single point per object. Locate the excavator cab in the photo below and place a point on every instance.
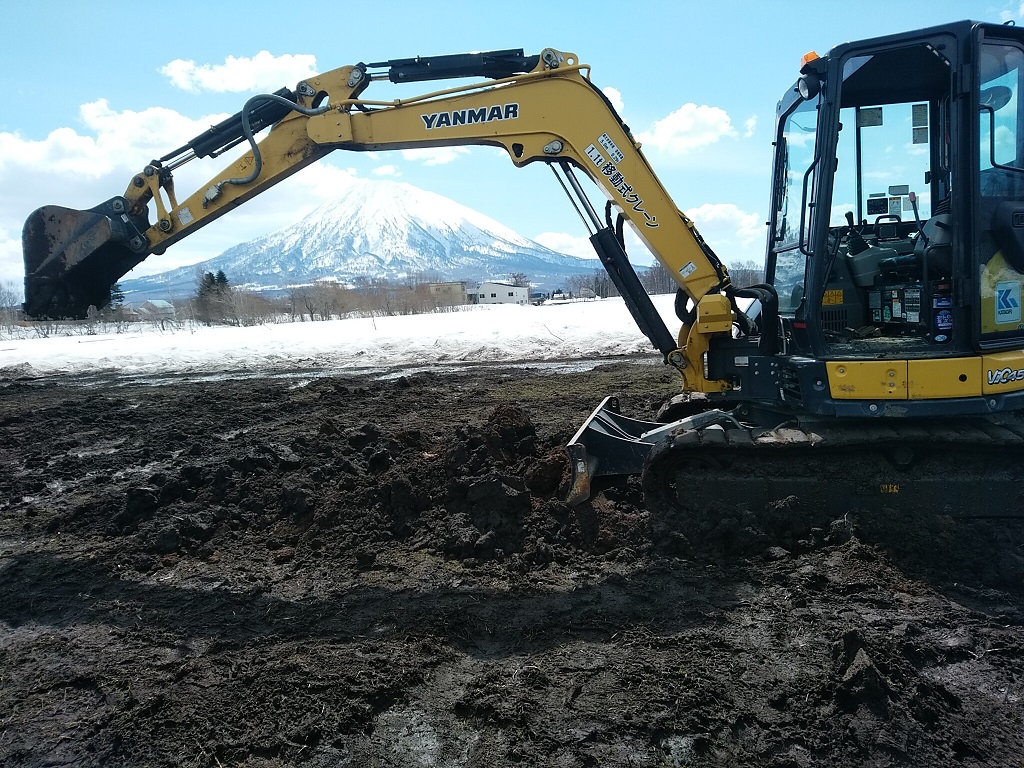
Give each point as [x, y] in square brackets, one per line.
[897, 225]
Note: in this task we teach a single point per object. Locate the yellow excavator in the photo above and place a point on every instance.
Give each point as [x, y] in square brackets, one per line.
[881, 361]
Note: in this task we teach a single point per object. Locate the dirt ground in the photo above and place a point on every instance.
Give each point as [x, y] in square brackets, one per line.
[350, 571]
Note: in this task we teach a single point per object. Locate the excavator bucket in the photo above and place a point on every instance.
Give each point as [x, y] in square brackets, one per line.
[72, 257]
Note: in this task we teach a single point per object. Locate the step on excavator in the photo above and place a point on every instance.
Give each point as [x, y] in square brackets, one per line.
[881, 361]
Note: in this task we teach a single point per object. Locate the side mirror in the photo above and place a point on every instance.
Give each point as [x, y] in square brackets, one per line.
[995, 98]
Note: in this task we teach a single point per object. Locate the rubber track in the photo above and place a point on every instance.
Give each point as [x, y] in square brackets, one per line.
[964, 469]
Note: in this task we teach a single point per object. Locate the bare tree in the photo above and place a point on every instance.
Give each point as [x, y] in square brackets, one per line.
[424, 278]
[331, 298]
[249, 308]
[591, 284]
[657, 280]
[302, 302]
[10, 298]
[745, 273]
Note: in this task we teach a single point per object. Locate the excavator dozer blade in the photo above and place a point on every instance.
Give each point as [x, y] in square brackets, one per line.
[609, 444]
[72, 257]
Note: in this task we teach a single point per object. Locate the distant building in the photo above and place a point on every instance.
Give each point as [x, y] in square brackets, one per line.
[498, 293]
[449, 293]
[156, 309]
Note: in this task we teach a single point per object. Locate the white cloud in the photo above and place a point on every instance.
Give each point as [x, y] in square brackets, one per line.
[750, 126]
[690, 127]
[10, 257]
[262, 72]
[120, 140]
[1011, 14]
[734, 234]
[92, 165]
[580, 246]
[747, 226]
[435, 155]
[98, 161]
[303, 192]
[388, 171]
[572, 245]
[615, 97]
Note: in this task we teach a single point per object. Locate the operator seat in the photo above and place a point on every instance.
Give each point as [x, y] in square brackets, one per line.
[934, 247]
[932, 256]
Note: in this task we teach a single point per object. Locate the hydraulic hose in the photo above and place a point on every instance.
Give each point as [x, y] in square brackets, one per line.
[247, 132]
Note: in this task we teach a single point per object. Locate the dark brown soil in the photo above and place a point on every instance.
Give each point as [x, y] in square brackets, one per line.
[351, 572]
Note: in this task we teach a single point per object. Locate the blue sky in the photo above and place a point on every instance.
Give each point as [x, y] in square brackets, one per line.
[94, 91]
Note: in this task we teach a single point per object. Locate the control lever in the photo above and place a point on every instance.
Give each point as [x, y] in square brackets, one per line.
[917, 217]
[857, 244]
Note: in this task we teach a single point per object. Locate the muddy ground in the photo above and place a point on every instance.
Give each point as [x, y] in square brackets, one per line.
[346, 571]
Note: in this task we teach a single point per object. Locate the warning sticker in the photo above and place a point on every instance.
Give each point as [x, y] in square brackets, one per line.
[606, 141]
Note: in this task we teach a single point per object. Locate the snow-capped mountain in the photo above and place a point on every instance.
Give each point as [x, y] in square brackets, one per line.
[376, 229]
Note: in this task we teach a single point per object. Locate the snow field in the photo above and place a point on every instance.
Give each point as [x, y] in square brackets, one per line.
[482, 334]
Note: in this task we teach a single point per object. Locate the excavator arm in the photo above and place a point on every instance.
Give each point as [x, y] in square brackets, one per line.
[537, 108]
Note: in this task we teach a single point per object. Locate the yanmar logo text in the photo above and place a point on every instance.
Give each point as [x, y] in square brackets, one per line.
[470, 116]
[1005, 376]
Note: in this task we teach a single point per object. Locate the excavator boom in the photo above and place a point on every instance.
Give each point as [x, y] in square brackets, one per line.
[540, 108]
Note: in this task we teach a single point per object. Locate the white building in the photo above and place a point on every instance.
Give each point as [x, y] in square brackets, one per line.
[498, 293]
